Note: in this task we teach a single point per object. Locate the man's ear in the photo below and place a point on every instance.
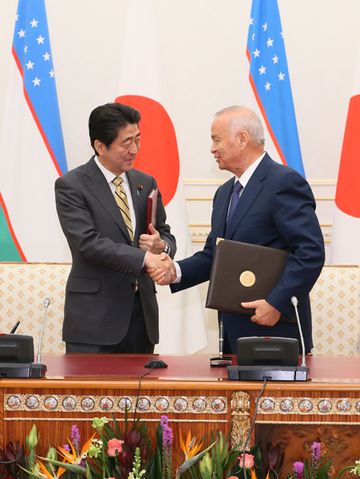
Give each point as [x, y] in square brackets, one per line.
[99, 147]
[243, 138]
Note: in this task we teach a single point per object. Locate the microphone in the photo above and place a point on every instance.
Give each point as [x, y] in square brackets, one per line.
[221, 360]
[139, 189]
[46, 305]
[221, 339]
[14, 328]
[294, 302]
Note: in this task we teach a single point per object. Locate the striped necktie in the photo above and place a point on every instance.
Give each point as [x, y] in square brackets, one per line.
[122, 202]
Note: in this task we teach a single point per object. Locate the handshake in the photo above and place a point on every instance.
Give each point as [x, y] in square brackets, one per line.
[160, 268]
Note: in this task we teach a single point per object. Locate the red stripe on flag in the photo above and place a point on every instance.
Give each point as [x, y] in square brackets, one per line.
[158, 155]
[11, 230]
[36, 119]
[347, 191]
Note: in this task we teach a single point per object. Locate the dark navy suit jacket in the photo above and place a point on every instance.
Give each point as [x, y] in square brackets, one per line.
[276, 209]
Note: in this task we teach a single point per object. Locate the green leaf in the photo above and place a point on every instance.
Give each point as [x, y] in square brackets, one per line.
[190, 462]
[70, 467]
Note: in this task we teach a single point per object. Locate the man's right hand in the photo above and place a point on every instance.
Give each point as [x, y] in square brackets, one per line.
[160, 268]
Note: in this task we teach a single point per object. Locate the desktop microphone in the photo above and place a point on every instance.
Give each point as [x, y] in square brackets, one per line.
[17, 353]
[260, 351]
[46, 305]
[294, 302]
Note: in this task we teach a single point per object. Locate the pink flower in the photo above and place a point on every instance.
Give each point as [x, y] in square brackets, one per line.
[249, 461]
[232, 477]
[114, 447]
[298, 467]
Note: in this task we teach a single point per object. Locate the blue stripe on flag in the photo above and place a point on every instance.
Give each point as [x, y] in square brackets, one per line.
[32, 51]
[269, 77]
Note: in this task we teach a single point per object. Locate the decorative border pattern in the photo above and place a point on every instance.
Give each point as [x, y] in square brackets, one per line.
[91, 403]
[240, 419]
[90, 419]
[314, 406]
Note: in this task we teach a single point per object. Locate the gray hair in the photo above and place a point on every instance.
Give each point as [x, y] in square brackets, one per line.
[242, 118]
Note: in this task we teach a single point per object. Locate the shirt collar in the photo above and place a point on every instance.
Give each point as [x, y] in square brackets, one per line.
[109, 176]
[245, 177]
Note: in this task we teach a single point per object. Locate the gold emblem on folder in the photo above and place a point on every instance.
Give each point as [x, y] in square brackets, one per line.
[247, 279]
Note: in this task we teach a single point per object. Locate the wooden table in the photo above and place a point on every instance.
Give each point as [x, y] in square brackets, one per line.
[194, 396]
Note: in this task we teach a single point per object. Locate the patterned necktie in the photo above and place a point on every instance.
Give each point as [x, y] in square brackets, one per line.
[235, 195]
[122, 202]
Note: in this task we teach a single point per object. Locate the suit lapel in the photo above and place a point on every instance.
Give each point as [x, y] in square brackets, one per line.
[221, 205]
[99, 187]
[136, 194]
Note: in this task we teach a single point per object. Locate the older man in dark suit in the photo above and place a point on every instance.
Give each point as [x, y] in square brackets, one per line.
[110, 303]
[274, 207]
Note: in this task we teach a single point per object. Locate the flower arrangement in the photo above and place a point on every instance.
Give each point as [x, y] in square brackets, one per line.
[319, 466]
[112, 453]
[108, 453]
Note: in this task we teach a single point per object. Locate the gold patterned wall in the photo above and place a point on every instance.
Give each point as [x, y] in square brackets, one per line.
[335, 303]
[23, 288]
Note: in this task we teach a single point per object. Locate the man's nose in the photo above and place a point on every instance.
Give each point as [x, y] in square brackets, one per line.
[134, 148]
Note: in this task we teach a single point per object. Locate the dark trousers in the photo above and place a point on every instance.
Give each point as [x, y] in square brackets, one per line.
[136, 340]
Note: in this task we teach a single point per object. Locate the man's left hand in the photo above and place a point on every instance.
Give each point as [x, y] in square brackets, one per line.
[265, 314]
[151, 242]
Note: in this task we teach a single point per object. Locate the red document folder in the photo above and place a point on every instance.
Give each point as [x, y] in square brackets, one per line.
[151, 208]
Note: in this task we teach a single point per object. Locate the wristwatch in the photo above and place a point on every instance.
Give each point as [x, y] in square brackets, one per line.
[166, 248]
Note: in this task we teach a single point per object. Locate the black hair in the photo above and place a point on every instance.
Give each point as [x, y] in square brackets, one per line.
[105, 121]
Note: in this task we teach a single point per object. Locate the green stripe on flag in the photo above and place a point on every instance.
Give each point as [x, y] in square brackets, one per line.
[8, 249]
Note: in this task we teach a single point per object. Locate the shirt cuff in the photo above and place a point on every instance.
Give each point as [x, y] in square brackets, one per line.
[178, 273]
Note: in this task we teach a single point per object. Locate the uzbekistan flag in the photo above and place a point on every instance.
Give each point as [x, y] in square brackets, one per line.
[33, 153]
[270, 80]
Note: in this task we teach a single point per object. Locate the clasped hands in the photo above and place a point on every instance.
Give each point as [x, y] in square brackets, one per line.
[158, 264]
[160, 268]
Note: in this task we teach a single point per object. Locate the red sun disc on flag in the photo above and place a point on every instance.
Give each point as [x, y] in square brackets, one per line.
[158, 155]
[347, 190]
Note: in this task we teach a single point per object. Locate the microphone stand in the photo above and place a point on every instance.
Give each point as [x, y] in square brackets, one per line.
[294, 302]
[221, 361]
[46, 305]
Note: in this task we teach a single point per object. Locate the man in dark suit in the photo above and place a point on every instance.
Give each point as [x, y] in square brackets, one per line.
[110, 303]
[275, 208]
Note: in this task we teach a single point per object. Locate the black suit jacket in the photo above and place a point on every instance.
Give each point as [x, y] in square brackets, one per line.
[101, 285]
[276, 209]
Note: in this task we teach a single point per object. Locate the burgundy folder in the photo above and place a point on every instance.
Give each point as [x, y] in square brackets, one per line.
[151, 208]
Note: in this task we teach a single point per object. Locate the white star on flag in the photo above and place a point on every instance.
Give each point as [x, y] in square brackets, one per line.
[269, 78]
